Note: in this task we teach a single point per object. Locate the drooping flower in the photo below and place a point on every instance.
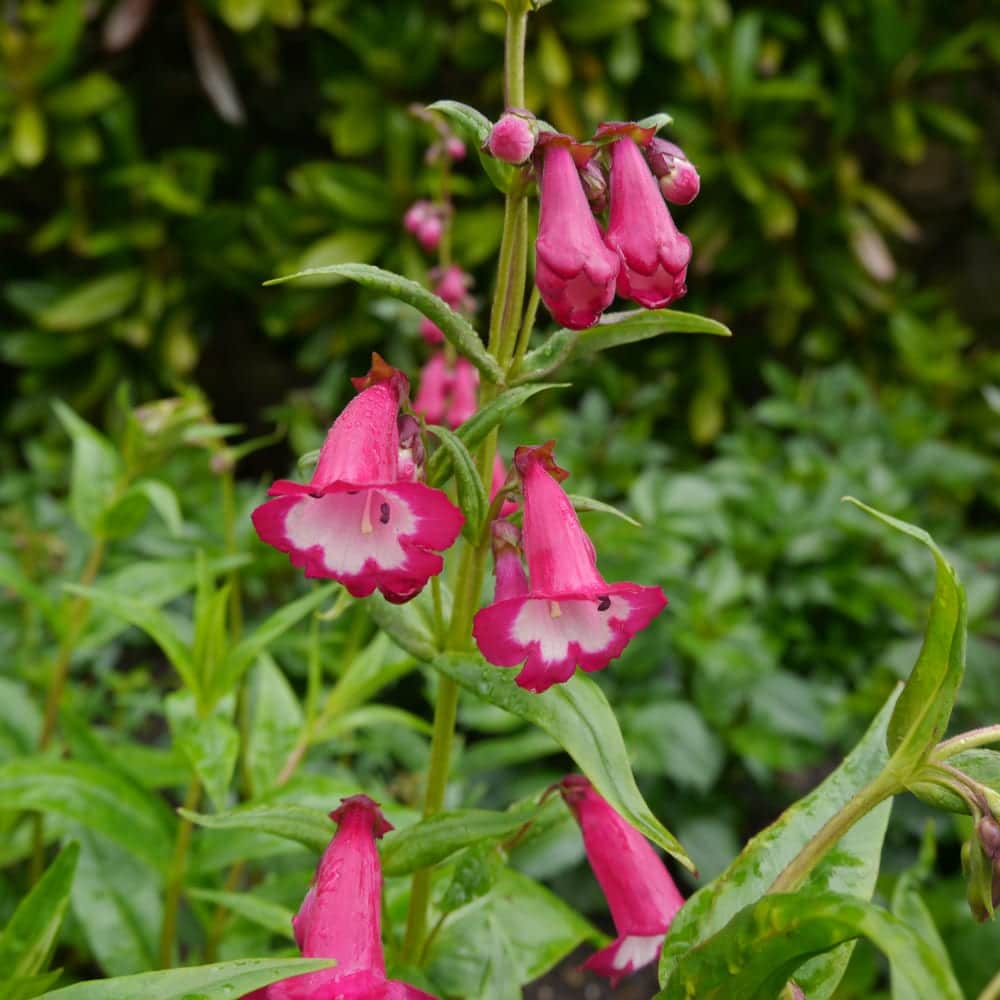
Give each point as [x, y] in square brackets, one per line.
[452, 285]
[641, 894]
[575, 272]
[678, 176]
[361, 519]
[447, 395]
[654, 254]
[568, 615]
[341, 917]
[512, 138]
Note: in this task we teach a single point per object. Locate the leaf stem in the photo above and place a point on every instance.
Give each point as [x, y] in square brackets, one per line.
[884, 786]
[175, 876]
[966, 741]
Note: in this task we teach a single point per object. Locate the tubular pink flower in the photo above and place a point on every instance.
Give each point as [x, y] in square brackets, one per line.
[464, 388]
[570, 616]
[447, 395]
[654, 255]
[512, 139]
[641, 894]
[575, 272]
[360, 520]
[341, 917]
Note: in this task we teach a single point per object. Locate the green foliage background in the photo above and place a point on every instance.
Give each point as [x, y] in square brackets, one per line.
[846, 232]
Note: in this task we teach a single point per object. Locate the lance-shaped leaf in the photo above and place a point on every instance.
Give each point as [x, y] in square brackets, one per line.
[30, 934]
[457, 329]
[439, 836]
[311, 828]
[758, 951]
[474, 128]
[473, 432]
[925, 705]
[472, 496]
[411, 625]
[222, 981]
[909, 907]
[578, 715]
[94, 471]
[759, 863]
[267, 914]
[581, 503]
[983, 766]
[98, 798]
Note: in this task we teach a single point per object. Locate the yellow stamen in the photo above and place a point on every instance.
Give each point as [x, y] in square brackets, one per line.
[366, 515]
[554, 610]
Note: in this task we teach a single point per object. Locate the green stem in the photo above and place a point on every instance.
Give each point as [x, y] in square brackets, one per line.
[883, 787]
[527, 327]
[966, 741]
[175, 877]
[513, 69]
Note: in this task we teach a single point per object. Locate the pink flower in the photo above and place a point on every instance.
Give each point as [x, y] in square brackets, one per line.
[575, 272]
[499, 478]
[447, 395]
[341, 917]
[451, 285]
[641, 894]
[654, 255]
[416, 215]
[361, 520]
[679, 180]
[425, 220]
[512, 139]
[429, 233]
[455, 148]
[568, 616]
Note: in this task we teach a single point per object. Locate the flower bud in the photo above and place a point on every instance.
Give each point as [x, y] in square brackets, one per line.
[595, 186]
[679, 180]
[455, 148]
[416, 215]
[429, 233]
[512, 139]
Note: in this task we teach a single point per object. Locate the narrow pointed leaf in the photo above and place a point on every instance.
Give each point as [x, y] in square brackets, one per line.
[263, 912]
[457, 329]
[94, 470]
[471, 492]
[311, 828]
[634, 325]
[222, 981]
[578, 715]
[909, 907]
[29, 987]
[590, 504]
[474, 129]
[30, 934]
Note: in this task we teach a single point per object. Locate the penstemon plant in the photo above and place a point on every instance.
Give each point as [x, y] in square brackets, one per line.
[407, 508]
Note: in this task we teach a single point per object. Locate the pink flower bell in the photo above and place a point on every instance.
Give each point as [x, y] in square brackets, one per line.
[568, 616]
[416, 215]
[679, 180]
[341, 917]
[361, 520]
[654, 255]
[641, 894]
[512, 139]
[447, 395]
[574, 270]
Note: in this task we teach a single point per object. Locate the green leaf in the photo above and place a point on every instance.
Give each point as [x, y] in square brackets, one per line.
[117, 906]
[276, 722]
[473, 432]
[908, 906]
[578, 715]
[95, 469]
[472, 496]
[376, 666]
[153, 622]
[547, 357]
[474, 128]
[983, 766]
[239, 658]
[222, 981]
[761, 948]
[96, 797]
[459, 332]
[584, 504]
[513, 934]
[616, 329]
[95, 302]
[410, 625]
[30, 935]
[211, 745]
[766, 855]
[271, 916]
[475, 873]
[28, 987]
[28, 135]
[925, 705]
[310, 827]
[438, 837]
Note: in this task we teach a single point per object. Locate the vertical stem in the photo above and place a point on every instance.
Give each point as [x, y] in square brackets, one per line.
[513, 69]
[175, 877]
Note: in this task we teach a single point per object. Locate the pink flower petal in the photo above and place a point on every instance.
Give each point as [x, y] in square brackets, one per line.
[625, 955]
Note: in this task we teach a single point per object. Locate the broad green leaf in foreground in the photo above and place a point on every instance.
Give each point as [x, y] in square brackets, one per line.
[28, 987]
[457, 329]
[578, 715]
[222, 981]
[310, 827]
[925, 705]
[766, 855]
[763, 946]
[438, 837]
[30, 934]
[98, 798]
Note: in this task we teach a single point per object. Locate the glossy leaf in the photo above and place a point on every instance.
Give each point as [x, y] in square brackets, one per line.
[925, 704]
[766, 855]
[548, 357]
[94, 472]
[909, 907]
[211, 745]
[410, 625]
[30, 934]
[578, 715]
[311, 828]
[222, 981]
[983, 766]
[263, 912]
[438, 837]
[276, 722]
[474, 129]
[472, 496]
[754, 955]
[456, 328]
[98, 798]
[583, 504]
[616, 329]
